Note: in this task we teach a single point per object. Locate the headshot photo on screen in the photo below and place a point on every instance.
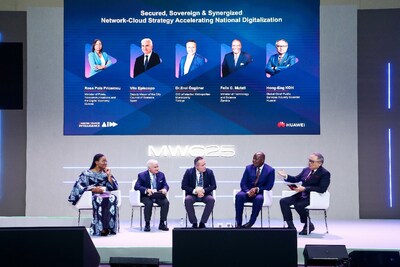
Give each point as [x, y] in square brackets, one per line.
[97, 58]
[235, 59]
[192, 60]
[147, 60]
[281, 60]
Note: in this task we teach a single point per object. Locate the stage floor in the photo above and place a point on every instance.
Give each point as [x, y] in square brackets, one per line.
[132, 242]
[355, 235]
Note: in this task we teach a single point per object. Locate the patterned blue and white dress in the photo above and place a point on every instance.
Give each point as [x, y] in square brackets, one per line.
[105, 211]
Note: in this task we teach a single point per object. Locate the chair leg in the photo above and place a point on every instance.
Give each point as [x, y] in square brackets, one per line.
[308, 222]
[79, 217]
[269, 220]
[154, 216]
[119, 226]
[245, 214]
[186, 219]
[212, 219]
[132, 217]
[261, 216]
[141, 223]
[326, 222]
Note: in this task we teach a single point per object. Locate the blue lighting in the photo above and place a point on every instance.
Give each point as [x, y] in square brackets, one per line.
[390, 167]
[389, 87]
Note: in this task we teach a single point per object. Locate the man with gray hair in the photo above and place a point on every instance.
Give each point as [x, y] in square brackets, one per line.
[313, 178]
[148, 60]
[153, 188]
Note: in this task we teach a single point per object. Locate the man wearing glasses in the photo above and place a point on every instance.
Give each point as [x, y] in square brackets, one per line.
[313, 178]
[281, 60]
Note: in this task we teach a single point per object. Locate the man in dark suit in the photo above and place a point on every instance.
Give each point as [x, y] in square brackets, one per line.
[235, 59]
[148, 60]
[257, 177]
[153, 188]
[192, 60]
[313, 178]
[199, 183]
[281, 60]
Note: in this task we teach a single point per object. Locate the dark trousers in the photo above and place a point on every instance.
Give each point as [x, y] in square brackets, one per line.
[299, 204]
[148, 206]
[240, 198]
[191, 199]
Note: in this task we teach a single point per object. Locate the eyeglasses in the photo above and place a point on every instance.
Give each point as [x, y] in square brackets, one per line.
[278, 46]
[313, 161]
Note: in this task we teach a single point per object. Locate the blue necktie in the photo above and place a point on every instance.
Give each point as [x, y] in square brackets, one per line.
[154, 182]
[146, 61]
[200, 180]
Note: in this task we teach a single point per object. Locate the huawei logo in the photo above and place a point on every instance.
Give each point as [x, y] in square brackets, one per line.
[281, 124]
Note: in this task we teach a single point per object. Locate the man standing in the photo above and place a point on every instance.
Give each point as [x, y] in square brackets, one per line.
[281, 60]
[313, 178]
[149, 58]
[199, 183]
[235, 59]
[257, 177]
[192, 60]
[153, 188]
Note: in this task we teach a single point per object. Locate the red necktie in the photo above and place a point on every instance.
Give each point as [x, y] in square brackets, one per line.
[257, 176]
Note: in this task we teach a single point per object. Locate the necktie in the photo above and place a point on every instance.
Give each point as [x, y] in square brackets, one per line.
[279, 59]
[235, 58]
[146, 61]
[257, 176]
[200, 180]
[154, 182]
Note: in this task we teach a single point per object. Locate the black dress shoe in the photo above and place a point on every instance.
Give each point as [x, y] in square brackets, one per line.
[202, 225]
[163, 227]
[247, 225]
[104, 232]
[304, 231]
[194, 225]
[147, 228]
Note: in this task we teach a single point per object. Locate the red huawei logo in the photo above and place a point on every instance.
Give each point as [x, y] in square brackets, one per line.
[281, 124]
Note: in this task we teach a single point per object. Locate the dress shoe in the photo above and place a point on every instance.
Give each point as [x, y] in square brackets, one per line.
[202, 225]
[290, 225]
[147, 227]
[104, 232]
[194, 225]
[304, 231]
[163, 227]
[247, 225]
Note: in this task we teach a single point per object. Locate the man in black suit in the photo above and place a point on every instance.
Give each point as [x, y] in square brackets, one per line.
[153, 188]
[313, 178]
[199, 183]
[148, 60]
[236, 59]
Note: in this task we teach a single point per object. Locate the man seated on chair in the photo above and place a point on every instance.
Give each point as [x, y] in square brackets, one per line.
[199, 183]
[257, 177]
[153, 188]
[313, 178]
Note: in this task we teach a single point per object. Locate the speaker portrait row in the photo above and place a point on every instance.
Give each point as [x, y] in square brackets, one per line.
[199, 183]
[98, 60]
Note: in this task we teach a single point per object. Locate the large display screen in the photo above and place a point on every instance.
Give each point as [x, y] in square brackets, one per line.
[191, 67]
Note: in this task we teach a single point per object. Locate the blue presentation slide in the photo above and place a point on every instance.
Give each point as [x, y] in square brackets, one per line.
[148, 67]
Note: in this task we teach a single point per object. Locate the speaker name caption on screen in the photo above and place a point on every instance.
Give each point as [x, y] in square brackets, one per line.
[98, 94]
[185, 93]
[232, 93]
[280, 93]
[142, 93]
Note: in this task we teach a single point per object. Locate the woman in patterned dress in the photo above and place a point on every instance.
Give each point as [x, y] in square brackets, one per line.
[99, 180]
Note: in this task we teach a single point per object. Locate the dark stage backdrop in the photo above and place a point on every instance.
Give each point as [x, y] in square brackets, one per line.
[378, 112]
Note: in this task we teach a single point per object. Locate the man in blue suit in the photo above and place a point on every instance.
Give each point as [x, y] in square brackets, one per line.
[192, 60]
[153, 188]
[313, 178]
[235, 59]
[281, 60]
[199, 183]
[257, 177]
